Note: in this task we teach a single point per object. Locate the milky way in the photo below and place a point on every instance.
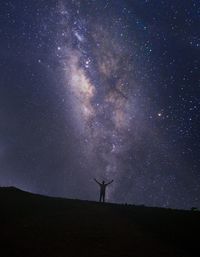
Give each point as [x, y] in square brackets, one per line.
[98, 80]
[105, 90]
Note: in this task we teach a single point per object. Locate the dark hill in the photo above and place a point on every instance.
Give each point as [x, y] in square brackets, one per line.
[34, 225]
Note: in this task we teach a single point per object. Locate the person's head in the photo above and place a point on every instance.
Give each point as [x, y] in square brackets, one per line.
[103, 182]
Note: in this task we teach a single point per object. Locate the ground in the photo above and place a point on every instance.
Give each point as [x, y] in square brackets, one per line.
[34, 225]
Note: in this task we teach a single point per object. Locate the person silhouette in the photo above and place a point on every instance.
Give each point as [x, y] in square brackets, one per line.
[103, 186]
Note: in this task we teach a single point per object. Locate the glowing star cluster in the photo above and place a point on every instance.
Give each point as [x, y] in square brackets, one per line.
[80, 87]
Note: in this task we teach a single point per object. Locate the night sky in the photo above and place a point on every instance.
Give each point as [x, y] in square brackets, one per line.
[101, 89]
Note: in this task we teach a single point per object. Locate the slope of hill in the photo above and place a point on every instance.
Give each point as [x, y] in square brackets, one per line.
[35, 225]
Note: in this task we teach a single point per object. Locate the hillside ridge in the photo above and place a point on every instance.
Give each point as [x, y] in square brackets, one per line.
[36, 225]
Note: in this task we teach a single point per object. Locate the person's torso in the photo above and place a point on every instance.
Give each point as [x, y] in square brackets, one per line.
[103, 187]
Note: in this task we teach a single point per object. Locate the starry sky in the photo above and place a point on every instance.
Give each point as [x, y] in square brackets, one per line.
[101, 89]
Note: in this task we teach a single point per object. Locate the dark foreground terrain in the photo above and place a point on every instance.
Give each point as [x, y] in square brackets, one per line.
[33, 225]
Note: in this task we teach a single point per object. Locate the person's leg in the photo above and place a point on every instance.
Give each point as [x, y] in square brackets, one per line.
[100, 197]
[104, 197]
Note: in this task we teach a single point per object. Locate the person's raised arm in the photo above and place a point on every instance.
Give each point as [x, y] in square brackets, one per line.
[97, 181]
[109, 182]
